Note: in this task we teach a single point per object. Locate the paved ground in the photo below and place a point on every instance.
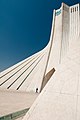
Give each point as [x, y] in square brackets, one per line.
[13, 101]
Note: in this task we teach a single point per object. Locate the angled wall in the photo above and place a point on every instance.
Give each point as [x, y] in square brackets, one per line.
[26, 75]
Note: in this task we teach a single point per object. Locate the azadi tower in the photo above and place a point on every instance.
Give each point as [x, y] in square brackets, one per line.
[54, 72]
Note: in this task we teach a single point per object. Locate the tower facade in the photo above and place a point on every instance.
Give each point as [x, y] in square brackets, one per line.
[33, 73]
[60, 98]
